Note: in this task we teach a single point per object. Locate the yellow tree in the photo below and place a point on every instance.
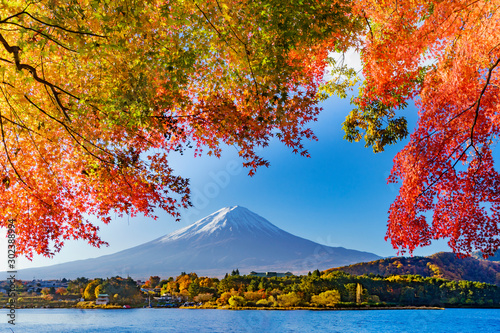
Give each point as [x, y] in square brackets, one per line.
[328, 298]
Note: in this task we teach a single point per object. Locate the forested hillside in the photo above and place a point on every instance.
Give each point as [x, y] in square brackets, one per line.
[442, 265]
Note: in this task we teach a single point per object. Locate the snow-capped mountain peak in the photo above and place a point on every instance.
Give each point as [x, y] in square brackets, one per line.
[234, 220]
[232, 237]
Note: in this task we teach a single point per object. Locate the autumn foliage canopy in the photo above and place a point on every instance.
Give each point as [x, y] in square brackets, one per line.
[95, 96]
[445, 55]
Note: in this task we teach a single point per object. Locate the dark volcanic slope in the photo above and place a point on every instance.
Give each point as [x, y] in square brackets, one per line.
[230, 238]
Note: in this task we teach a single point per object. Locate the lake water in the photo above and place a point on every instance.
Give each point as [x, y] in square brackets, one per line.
[191, 320]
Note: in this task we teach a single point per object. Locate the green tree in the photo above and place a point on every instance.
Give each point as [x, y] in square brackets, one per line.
[263, 284]
[164, 282]
[194, 289]
[77, 286]
[153, 281]
[253, 285]
[407, 295]
[350, 292]
[225, 285]
[127, 290]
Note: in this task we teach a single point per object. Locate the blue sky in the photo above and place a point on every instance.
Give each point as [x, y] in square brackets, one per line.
[338, 197]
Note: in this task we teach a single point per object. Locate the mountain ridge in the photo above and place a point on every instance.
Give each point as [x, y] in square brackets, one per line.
[230, 238]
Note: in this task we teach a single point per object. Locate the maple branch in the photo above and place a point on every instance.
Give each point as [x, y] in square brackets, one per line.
[467, 5]
[44, 35]
[12, 16]
[478, 102]
[477, 105]
[494, 48]
[35, 146]
[71, 131]
[7, 152]
[5, 60]
[445, 171]
[49, 24]
[246, 51]
[12, 108]
[15, 52]
[20, 123]
[230, 27]
[214, 27]
[62, 28]
[368, 22]
[230, 46]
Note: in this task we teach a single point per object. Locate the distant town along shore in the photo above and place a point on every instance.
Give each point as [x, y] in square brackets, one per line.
[258, 290]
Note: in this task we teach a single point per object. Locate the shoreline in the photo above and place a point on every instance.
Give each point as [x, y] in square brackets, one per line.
[302, 308]
[299, 308]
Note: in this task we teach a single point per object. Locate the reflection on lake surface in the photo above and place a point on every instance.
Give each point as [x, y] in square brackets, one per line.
[191, 320]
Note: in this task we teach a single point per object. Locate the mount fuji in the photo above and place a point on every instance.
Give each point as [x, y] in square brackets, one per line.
[232, 237]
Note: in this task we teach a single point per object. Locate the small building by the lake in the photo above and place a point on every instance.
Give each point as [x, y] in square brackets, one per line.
[102, 299]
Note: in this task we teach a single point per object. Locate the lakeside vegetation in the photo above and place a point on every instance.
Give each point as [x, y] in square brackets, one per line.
[316, 290]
